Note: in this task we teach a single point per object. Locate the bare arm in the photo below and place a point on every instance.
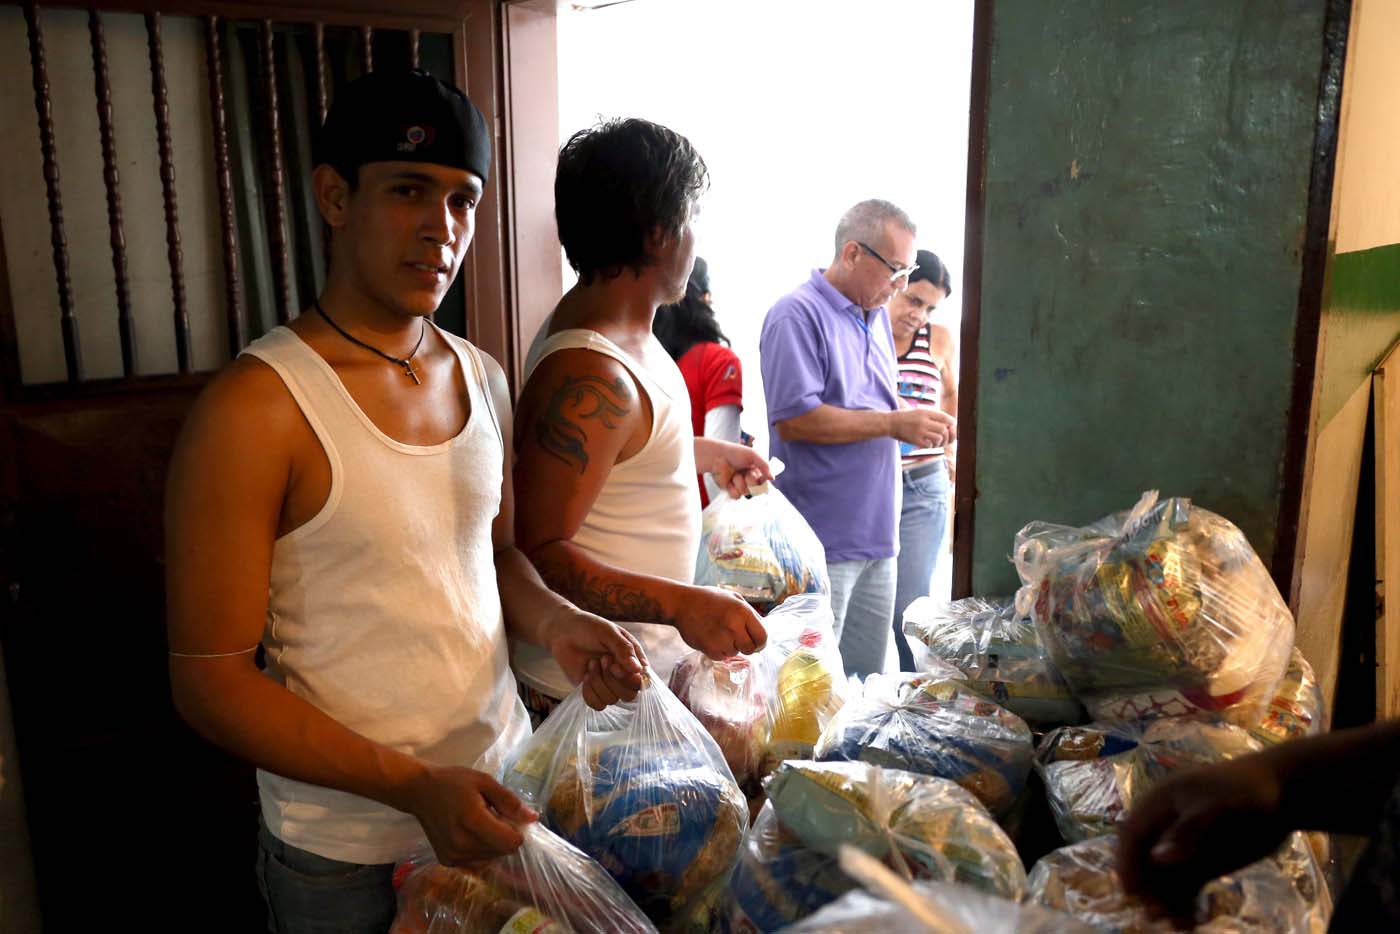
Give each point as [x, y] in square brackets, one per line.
[828, 424]
[1205, 822]
[602, 656]
[579, 415]
[222, 515]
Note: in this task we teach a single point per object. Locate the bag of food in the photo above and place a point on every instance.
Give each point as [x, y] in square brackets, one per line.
[930, 725]
[644, 790]
[1082, 880]
[760, 547]
[999, 654]
[1296, 709]
[960, 909]
[1162, 611]
[730, 700]
[545, 887]
[779, 879]
[921, 826]
[804, 676]
[1094, 774]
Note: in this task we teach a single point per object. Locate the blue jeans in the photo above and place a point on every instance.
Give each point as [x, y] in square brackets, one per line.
[923, 521]
[862, 599]
[309, 894]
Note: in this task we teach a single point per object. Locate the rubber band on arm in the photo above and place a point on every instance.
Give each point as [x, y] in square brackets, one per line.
[175, 654]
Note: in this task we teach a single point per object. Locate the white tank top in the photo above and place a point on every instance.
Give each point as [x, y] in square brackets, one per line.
[383, 610]
[646, 518]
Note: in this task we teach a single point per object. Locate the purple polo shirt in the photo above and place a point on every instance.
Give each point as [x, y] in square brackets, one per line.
[817, 348]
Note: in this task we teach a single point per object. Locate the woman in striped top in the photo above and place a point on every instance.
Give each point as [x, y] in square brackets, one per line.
[926, 378]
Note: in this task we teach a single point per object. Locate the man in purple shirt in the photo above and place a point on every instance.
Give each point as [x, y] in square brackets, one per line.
[828, 365]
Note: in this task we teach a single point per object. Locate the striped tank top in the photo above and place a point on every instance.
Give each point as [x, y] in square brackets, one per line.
[920, 384]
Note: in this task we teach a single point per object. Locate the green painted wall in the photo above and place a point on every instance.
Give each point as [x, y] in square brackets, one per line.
[1361, 322]
[1146, 187]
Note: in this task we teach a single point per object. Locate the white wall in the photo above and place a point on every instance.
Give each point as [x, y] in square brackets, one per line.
[800, 109]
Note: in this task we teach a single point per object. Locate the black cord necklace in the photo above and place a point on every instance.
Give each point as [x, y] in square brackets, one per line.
[405, 362]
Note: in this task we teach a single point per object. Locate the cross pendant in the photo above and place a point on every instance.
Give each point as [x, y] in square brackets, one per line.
[408, 368]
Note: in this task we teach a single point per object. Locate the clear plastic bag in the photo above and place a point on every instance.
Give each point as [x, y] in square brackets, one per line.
[545, 887]
[923, 827]
[928, 724]
[1161, 611]
[643, 789]
[730, 699]
[974, 912]
[773, 705]
[999, 654]
[760, 547]
[1263, 898]
[802, 664]
[1094, 774]
[1297, 709]
[780, 880]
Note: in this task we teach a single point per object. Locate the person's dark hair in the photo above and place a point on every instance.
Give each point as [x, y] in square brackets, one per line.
[616, 184]
[690, 321]
[931, 269]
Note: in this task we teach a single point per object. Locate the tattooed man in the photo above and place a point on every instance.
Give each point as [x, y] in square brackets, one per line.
[608, 509]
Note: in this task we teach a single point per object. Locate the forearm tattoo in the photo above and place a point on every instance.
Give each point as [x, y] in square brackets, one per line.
[583, 397]
[592, 592]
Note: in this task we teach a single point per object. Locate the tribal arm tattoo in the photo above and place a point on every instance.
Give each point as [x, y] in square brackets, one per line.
[583, 397]
[601, 593]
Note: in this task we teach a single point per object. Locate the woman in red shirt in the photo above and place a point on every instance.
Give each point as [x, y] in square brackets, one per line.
[691, 335]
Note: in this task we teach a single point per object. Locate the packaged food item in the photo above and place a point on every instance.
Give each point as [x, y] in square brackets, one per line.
[1094, 774]
[779, 879]
[926, 723]
[960, 908]
[807, 681]
[730, 700]
[545, 887]
[1296, 709]
[999, 654]
[1082, 880]
[760, 547]
[1163, 611]
[643, 789]
[921, 826]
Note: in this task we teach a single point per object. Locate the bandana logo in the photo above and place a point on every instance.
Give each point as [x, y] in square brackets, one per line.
[415, 136]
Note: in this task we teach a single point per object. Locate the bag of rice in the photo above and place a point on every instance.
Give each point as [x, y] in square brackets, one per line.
[644, 790]
[927, 724]
[999, 654]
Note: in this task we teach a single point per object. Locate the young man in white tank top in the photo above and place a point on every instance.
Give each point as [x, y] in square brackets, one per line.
[341, 494]
[609, 511]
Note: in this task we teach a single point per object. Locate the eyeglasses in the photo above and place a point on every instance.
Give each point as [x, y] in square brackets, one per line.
[896, 272]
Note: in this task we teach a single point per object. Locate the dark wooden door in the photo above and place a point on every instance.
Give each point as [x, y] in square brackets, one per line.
[131, 816]
[133, 819]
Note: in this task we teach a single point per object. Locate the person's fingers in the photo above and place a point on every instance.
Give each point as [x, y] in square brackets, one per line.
[1139, 834]
[494, 836]
[758, 634]
[592, 696]
[620, 646]
[617, 689]
[504, 801]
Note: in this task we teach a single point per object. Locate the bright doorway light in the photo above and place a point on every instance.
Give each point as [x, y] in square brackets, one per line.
[800, 108]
